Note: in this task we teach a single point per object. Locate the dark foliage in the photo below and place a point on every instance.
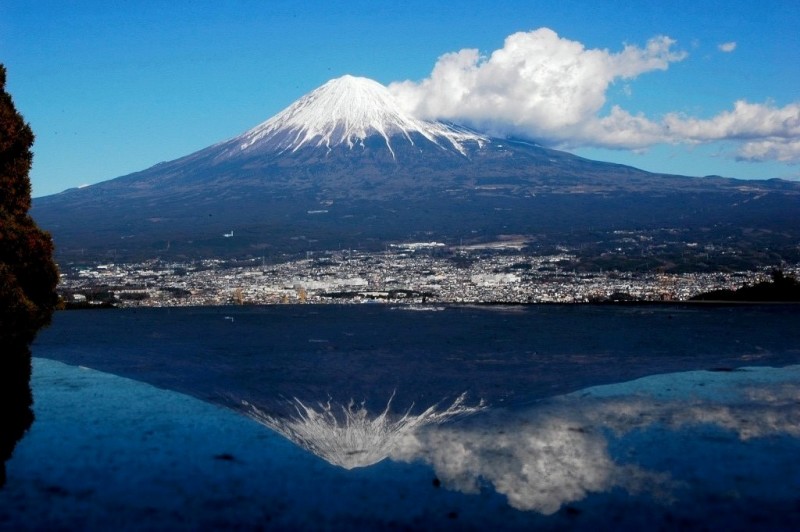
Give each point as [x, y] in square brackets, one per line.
[28, 276]
[783, 288]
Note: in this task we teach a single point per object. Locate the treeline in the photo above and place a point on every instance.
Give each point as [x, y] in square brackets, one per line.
[782, 289]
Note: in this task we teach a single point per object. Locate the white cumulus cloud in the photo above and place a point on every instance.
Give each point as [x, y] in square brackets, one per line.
[786, 151]
[765, 132]
[744, 121]
[538, 85]
[727, 47]
[553, 90]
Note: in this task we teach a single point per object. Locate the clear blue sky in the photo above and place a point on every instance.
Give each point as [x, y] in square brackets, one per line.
[115, 87]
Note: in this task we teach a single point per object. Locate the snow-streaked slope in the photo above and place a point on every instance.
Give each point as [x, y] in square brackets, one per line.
[344, 112]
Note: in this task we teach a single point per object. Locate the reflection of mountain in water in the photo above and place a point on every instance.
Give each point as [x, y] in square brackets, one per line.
[347, 436]
[575, 447]
[722, 444]
[565, 449]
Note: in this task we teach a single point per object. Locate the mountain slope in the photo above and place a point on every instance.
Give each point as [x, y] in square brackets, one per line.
[346, 166]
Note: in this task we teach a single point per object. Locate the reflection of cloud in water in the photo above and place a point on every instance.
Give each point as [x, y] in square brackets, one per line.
[539, 460]
[768, 412]
[557, 453]
[756, 412]
[347, 436]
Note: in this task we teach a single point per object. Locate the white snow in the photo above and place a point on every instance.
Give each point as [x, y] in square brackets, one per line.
[345, 111]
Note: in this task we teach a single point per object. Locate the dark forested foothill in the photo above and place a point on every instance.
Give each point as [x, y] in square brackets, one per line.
[28, 276]
[782, 289]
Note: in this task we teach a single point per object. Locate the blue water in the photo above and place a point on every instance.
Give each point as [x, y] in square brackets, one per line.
[270, 417]
[500, 354]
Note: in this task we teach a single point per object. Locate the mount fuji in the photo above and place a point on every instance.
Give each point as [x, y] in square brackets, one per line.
[346, 166]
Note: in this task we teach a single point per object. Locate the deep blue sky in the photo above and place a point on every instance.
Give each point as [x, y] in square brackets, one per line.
[114, 87]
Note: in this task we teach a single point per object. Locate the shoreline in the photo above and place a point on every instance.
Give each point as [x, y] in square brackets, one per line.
[400, 303]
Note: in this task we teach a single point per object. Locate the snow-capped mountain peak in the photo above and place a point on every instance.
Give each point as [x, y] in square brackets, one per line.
[345, 111]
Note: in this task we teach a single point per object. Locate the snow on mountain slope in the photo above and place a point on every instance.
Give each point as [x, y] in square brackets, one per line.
[346, 111]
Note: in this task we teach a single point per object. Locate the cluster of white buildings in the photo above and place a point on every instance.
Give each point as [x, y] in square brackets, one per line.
[421, 272]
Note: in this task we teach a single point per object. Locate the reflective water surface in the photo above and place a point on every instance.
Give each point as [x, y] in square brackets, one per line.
[352, 417]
